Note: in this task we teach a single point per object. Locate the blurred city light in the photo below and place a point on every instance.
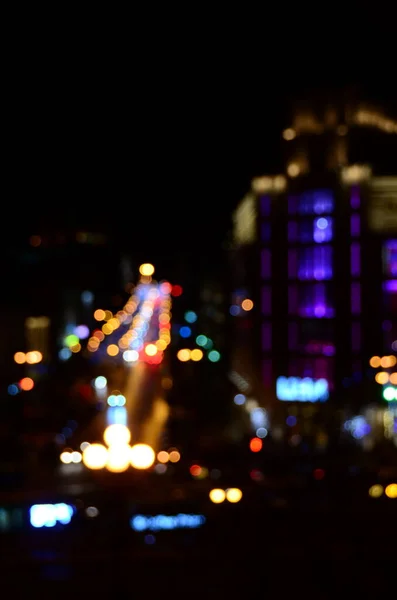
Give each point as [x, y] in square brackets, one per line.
[100, 382]
[256, 444]
[117, 434]
[146, 270]
[118, 458]
[247, 304]
[217, 496]
[190, 316]
[185, 331]
[26, 384]
[375, 491]
[174, 456]
[196, 355]
[142, 456]
[183, 355]
[163, 457]
[95, 456]
[214, 356]
[20, 358]
[234, 495]
[391, 490]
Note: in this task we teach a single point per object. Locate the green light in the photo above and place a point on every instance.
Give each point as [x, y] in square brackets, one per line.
[201, 340]
[390, 393]
[214, 356]
[71, 340]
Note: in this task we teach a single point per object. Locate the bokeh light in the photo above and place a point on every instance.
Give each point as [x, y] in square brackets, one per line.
[117, 435]
[142, 456]
[217, 496]
[146, 270]
[95, 456]
[234, 495]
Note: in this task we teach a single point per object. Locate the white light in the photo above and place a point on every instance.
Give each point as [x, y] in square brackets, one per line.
[100, 382]
[76, 457]
[130, 355]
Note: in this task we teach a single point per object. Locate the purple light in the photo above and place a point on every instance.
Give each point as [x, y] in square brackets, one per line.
[390, 258]
[390, 286]
[293, 231]
[355, 225]
[292, 336]
[356, 337]
[355, 260]
[355, 298]
[266, 265]
[266, 336]
[355, 197]
[292, 263]
[265, 232]
[82, 332]
[315, 262]
[329, 350]
[265, 205]
[266, 300]
[292, 299]
[267, 372]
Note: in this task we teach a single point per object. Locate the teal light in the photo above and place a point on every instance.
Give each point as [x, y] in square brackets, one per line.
[201, 340]
[190, 316]
[214, 356]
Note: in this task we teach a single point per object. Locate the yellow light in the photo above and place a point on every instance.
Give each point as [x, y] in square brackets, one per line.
[293, 170]
[117, 435]
[107, 329]
[161, 344]
[183, 355]
[392, 361]
[163, 457]
[289, 134]
[375, 362]
[142, 456]
[20, 358]
[99, 315]
[66, 458]
[196, 354]
[113, 350]
[375, 491]
[382, 377]
[34, 357]
[118, 458]
[175, 456]
[217, 496]
[234, 495]
[146, 270]
[95, 456]
[114, 323]
[151, 349]
[108, 315]
[391, 490]
[247, 304]
[76, 348]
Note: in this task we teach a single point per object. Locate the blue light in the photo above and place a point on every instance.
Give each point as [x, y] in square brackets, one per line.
[190, 316]
[87, 298]
[166, 523]
[13, 389]
[185, 331]
[291, 421]
[48, 515]
[64, 354]
[239, 399]
[116, 415]
[234, 310]
[296, 389]
[214, 356]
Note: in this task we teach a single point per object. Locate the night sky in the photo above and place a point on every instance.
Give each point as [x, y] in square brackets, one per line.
[159, 139]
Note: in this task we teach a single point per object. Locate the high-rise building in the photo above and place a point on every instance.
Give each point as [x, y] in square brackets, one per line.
[315, 262]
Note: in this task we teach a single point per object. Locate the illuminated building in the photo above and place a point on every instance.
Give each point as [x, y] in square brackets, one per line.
[315, 250]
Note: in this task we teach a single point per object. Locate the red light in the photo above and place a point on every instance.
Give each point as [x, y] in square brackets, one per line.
[318, 474]
[256, 444]
[195, 470]
[176, 290]
[165, 287]
[26, 384]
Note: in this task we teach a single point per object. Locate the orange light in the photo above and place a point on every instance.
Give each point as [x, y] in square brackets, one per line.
[195, 470]
[26, 384]
[256, 444]
[20, 358]
[247, 304]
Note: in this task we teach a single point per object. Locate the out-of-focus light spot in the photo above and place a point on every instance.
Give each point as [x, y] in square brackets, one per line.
[201, 340]
[165, 287]
[382, 377]
[195, 470]
[318, 474]
[190, 316]
[26, 384]
[217, 496]
[112, 350]
[376, 491]
[261, 432]
[185, 331]
[146, 270]
[289, 134]
[20, 358]
[34, 357]
[13, 389]
[82, 332]
[118, 459]
[166, 383]
[35, 241]
[389, 393]
[130, 355]
[256, 444]
[391, 490]
[87, 298]
[64, 354]
[76, 457]
[291, 421]
[71, 340]
[393, 378]
[214, 356]
[48, 515]
[66, 458]
[84, 445]
[100, 382]
[108, 315]
[76, 348]
[239, 399]
[196, 354]
[151, 350]
[293, 170]
[247, 304]
[163, 456]
[234, 495]
[160, 469]
[117, 434]
[183, 355]
[91, 512]
[99, 315]
[142, 456]
[174, 456]
[95, 456]
[176, 291]
[234, 310]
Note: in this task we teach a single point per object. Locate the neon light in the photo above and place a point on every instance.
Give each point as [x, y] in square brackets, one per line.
[165, 522]
[297, 389]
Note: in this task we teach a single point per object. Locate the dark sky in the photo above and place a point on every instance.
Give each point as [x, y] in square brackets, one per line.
[156, 135]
